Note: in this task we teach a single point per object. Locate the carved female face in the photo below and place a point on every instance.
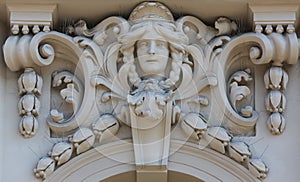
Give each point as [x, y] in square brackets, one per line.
[153, 56]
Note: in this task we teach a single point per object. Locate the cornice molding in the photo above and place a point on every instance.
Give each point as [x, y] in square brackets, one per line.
[31, 17]
[274, 16]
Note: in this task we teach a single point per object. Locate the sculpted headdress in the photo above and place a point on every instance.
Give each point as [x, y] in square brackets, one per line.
[151, 11]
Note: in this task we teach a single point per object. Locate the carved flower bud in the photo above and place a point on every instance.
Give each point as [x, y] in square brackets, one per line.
[194, 125]
[258, 168]
[275, 101]
[218, 138]
[239, 151]
[106, 127]
[276, 123]
[83, 139]
[30, 82]
[29, 105]
[61, 152]
[44, 168]
[276, 78]
[28, 126]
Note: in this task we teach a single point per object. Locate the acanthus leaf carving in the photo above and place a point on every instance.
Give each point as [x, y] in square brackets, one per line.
[69, 88]
[150, 73]
[239, 90]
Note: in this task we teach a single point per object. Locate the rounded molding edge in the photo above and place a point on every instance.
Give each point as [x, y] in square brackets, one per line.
[118, 157]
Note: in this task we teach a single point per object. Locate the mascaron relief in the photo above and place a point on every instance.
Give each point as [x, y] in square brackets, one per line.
[151, 73]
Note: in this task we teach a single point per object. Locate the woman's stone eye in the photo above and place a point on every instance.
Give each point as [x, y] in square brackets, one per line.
[143, 43]
[161, 44]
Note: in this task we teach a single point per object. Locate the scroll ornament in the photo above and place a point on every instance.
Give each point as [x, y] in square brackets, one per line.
[151, 73]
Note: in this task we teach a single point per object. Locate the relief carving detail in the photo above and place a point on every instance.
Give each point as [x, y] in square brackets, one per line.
[30, 87]
[150, 74]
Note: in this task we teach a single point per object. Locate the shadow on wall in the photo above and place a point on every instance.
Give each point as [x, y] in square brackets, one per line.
[3, 36]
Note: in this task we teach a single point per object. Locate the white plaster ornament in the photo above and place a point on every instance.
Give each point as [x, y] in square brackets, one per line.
[149, 74]
[30, 87]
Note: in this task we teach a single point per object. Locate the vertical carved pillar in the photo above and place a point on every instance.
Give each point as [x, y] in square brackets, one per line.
[276, 80]
[30, 85]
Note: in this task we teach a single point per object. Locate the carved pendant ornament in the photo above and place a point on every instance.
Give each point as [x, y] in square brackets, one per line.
[151, 74]
[30, 87]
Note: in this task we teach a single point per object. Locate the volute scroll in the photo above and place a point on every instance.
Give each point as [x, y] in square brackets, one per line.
[153, 79]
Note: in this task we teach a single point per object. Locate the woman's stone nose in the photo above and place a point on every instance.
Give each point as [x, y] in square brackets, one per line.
[152, 47]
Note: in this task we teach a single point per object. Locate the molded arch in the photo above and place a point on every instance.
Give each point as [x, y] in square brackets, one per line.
[117, 158]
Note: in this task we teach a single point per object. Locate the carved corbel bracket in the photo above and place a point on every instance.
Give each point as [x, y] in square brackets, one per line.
[278, 23]
[276, 49]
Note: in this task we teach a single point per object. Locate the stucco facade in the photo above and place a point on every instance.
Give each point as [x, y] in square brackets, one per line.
[149, 91]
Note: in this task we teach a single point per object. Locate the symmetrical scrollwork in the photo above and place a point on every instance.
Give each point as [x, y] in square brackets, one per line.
[151, 73]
